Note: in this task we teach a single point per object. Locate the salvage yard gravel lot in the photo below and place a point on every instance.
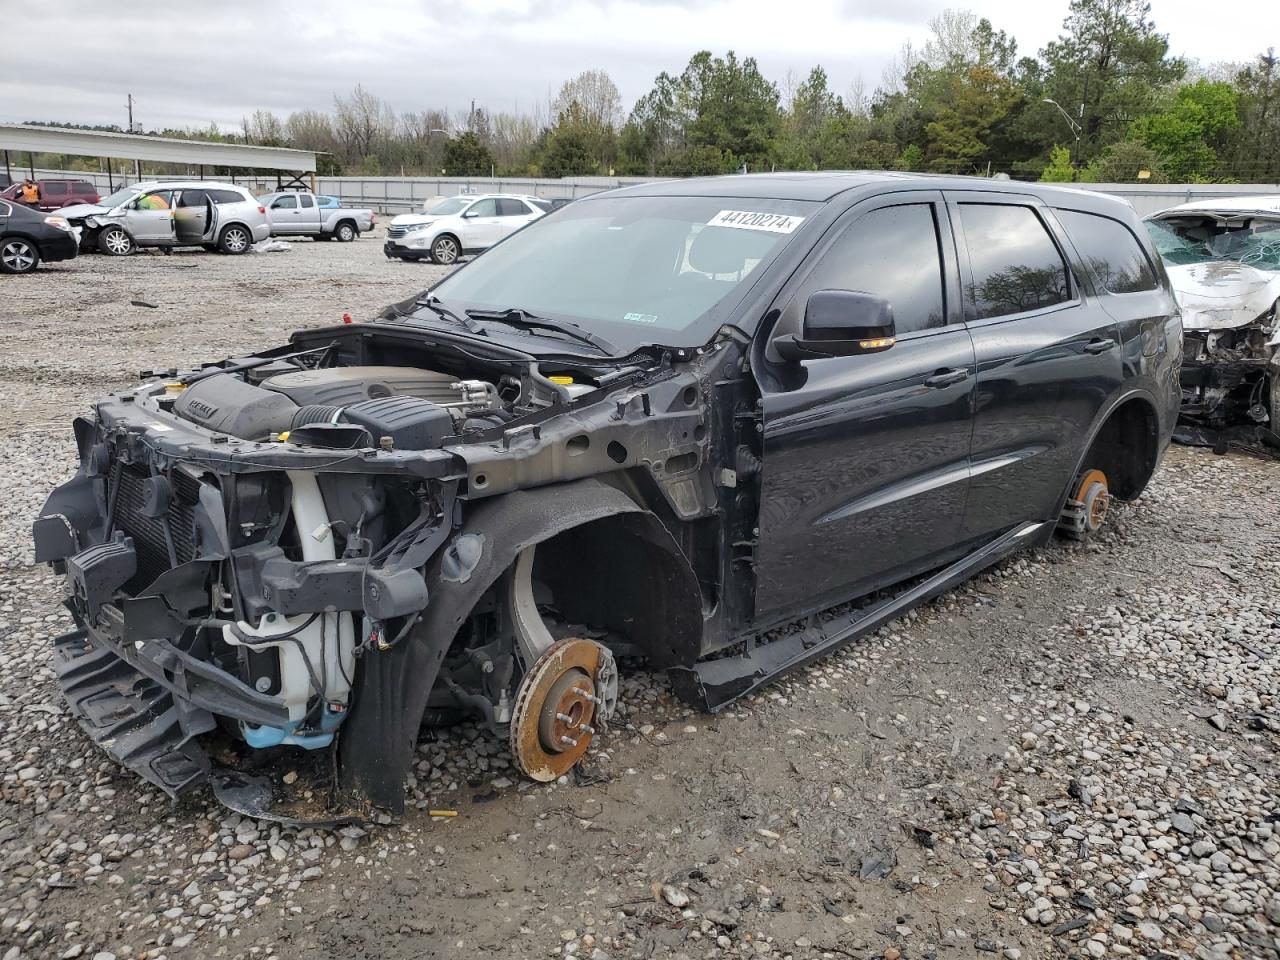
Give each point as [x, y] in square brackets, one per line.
[1073, 755]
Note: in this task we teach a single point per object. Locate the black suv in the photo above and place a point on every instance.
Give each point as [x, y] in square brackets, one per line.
[660, 422]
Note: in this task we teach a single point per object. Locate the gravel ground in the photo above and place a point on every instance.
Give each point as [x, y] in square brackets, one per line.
[1074, 755]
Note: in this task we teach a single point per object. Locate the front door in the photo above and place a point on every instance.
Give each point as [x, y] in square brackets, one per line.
[866, 458]
[149, 219]
[483, 225]
[1048, 357]
[285, 215]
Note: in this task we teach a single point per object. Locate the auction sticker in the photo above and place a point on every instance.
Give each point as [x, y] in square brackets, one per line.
[751, 220]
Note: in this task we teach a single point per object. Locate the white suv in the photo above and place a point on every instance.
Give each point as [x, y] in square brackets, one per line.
[460, 225]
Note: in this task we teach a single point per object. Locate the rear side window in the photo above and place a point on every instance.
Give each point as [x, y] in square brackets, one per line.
[1016, 265]
[511, 208]
[225, 196]
[192, 198]
[54, 188]
[1111, 250]
[892, 253]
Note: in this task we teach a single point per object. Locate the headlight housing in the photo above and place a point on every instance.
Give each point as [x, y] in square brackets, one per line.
[60, 223]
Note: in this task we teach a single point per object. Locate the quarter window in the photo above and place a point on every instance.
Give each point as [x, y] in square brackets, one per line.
[1111, 250]
[307, 202]
[1016, 265]
[891, 253]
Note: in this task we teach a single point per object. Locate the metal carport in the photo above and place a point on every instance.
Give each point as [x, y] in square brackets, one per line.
[127, 146]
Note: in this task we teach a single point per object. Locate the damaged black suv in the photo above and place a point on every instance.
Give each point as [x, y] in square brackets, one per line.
[658, 423]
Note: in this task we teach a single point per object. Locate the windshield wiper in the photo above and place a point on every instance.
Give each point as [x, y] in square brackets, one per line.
[434, 304]
[523, 319]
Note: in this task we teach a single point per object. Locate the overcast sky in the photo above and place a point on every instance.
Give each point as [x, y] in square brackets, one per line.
[190, 65]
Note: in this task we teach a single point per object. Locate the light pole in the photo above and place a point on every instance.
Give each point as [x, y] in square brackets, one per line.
[1075, 127]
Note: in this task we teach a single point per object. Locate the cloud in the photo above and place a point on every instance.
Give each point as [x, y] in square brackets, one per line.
[189, 65]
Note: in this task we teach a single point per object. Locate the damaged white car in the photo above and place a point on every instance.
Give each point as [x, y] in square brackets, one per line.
[1223, 259]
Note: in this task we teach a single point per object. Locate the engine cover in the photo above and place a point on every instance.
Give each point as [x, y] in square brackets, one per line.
[227, 404]
[344, 386]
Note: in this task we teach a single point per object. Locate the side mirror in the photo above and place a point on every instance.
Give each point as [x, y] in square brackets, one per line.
[470, 214]
[840, 323]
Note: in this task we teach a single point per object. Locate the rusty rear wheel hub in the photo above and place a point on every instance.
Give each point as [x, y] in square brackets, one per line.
[556, 709]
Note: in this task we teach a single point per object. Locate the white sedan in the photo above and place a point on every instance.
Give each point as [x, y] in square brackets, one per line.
[459, 226]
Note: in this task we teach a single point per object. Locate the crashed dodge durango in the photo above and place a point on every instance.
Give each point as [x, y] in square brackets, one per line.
[721, 426]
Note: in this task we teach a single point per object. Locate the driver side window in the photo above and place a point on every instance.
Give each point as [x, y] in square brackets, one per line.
[483, 208]
[893, 253]
[285, 203]
[160, 200]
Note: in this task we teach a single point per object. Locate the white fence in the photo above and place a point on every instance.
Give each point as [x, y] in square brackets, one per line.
[407, 194]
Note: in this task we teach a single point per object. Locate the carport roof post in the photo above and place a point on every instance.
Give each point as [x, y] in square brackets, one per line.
[128, 146]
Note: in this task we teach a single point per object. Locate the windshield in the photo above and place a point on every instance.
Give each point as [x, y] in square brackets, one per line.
[447, 208]
[1200, 239]
[635, 270]
[120, 196]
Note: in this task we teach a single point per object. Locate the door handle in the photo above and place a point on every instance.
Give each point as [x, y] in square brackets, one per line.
[1099, 346]
[945, 378]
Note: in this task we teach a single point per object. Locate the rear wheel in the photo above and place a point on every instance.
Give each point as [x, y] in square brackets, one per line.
[346, 231]
[235, 240]
[18, 255]
[445, 250]
[116, 242]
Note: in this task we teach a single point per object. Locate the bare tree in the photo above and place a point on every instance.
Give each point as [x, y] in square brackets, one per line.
[265, 129]
[311, 130]
[363, 122]
[597, 97]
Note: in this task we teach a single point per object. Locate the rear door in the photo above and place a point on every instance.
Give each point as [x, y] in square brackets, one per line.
[308, 214]
[53, 194]
[191, 216]
[1048, 357]
[866, 458]
[513, 215]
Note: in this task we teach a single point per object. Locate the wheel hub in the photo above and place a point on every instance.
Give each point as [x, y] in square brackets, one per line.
[1086, 510]
[559, 707]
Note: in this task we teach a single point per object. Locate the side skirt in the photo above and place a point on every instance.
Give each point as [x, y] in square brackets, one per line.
[713, 684]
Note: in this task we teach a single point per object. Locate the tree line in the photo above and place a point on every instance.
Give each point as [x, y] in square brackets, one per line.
[1104, 102]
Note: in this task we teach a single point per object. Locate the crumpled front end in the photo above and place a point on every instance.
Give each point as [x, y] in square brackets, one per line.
[223, 589]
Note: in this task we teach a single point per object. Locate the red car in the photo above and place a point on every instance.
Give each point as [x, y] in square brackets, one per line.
[56, 193]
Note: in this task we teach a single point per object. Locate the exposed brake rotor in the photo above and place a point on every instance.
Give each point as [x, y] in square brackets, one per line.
[563, 699]
[1085, 511]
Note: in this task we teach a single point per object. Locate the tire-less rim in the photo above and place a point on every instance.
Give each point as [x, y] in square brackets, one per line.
[236, 239]
[18, 256]
[446, 250]
[117, 241]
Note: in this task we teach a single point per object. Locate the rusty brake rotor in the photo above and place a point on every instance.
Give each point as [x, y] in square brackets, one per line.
[556, 708]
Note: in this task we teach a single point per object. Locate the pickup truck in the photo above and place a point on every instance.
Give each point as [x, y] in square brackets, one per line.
[296, 213]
